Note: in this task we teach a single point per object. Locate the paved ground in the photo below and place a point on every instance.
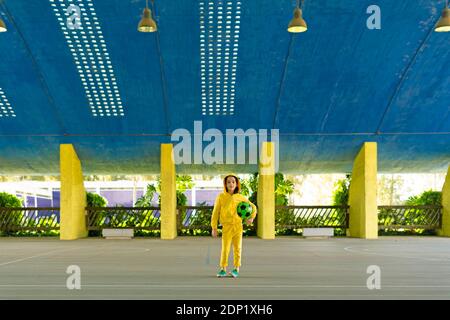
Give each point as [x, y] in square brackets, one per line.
[185, 268]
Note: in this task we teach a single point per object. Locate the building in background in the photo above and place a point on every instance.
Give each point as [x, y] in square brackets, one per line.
[312, 189]
[123, 193]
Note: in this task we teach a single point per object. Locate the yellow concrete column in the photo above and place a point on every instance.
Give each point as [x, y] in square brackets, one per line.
[168, 193]
[73, 195]
[363, 194]
[445, 231]
[266, 192]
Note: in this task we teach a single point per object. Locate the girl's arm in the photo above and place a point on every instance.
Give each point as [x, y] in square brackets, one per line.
[215, 213]
[254, 211]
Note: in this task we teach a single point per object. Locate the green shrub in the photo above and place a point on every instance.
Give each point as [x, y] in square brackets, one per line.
[95, 200]
[426, 198]
[411, 217]
[147, 233]
[9, 201]
[15, 217]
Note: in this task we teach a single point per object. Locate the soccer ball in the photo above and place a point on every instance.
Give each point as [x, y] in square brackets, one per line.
[244, 210]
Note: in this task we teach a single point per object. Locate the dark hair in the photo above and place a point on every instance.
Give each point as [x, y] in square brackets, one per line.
[236, 190]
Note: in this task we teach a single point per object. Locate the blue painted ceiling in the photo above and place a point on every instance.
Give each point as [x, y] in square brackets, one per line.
[327, 90]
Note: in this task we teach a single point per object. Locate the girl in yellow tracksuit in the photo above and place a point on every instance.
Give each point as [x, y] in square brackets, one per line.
[225, 210]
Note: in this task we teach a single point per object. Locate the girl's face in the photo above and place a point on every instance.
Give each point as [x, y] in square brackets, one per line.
[231, 184]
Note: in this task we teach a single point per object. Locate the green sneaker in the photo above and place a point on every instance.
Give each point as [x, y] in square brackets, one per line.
[222, 273]
[234, 273]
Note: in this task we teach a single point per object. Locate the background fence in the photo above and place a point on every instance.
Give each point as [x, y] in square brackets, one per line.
[199, 218]
[409, 217]
[145, 218]
[31, 219]
[296, 217]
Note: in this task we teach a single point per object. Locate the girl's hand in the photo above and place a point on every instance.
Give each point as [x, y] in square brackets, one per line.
[249, 221]
[214, 233]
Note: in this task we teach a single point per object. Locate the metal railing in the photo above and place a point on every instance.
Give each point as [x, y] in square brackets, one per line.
[409, 217]
[139, 218]
[34, 219]
[295, 217]
[194, 217]
[199, 218]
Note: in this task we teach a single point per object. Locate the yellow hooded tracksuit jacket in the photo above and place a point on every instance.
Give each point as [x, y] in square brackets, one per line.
[225, 211]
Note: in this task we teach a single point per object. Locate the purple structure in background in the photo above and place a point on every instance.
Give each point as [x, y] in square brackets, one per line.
[155, 200]
[30, 201]
[188, 195]
[118, 197]
[56, 198]
[125, 197]
[41, 202]
[208, 196]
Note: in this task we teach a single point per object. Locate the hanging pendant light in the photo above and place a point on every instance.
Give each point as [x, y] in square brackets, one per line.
[443, 25]
[147, 24]
[297, 23]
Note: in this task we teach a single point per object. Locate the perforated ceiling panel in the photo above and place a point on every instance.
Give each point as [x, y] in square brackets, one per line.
[219, 48]
[90, 54]
[6, 109]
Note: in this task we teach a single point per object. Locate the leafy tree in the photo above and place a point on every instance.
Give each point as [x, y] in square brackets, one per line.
[283, 188]
[341, 191]
[249, 187]
[183, 183]
[388, 189]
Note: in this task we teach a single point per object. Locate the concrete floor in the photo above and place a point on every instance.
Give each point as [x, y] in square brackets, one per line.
[185, 268]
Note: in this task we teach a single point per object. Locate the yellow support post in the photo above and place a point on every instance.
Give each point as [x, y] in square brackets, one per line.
[445, 229]
[266, 192]
[168, 193]
[363, 194]
[73, 195]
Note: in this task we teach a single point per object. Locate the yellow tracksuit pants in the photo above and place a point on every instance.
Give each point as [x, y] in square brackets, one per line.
[231, 234]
